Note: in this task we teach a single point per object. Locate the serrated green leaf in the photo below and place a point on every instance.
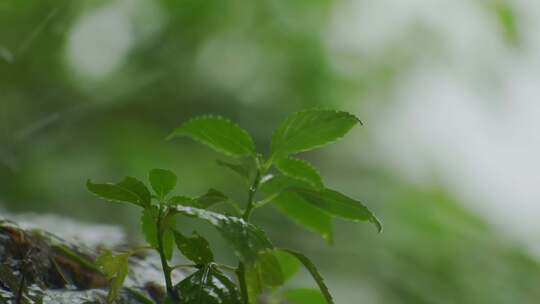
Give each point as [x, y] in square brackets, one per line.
[218, 133]
[241, 169]
[115, 269]
[114, 193]
[299, 169]
[247, 239]
[289, 264]
[162, 181]
[195, 248]
[338, 204]
[303, 296]
[304, 214]
[310, 129]
[136, 186]
[296, 208]
[208, 286]
[314, 273]
[210, 198]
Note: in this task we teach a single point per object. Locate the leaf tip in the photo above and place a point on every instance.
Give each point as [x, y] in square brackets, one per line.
[90, 185]
[377, 223]
[358, 120]
[171, 136]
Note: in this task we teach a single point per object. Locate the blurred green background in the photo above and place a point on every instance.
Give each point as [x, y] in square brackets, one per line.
[90, 89]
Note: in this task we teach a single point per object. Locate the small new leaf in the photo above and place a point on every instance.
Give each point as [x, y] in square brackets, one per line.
[300, 169]
[310, 129]
[168, 224]
[162, 181]
[289, 264]
[195, 248]
[314, 273]
[269, 269]
[149, 221]
[338, 204]
[168, 243]
[218, 133]
[136, 186]
[264, 272]
[115, 193]
[115, 269]
[247, 239]
[149, 228]
[207, 286]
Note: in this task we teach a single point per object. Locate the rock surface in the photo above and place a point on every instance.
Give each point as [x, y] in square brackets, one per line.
[40, 267]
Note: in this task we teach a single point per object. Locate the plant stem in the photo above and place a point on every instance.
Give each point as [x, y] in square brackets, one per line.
[251, 195]
[226, 267]
[164, 264]
[266, 200]
[241, 274]
[241, 270]
[139, 296]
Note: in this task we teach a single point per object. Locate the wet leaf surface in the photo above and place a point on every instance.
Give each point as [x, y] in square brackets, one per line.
[208, 286]
[246, 239]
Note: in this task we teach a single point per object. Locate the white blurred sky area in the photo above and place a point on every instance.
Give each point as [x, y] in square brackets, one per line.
[465, 114]
[467, 117]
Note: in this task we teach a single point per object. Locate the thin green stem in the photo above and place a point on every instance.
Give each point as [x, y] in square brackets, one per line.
[82, 260]
[164, 264]
[268, 163]
[266, 200]
[241, 274]
[241, 270]
[139, 295]
[251, 195]
[226, 267]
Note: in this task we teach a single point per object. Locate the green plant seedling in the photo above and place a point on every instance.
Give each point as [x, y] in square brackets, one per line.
[293, 185]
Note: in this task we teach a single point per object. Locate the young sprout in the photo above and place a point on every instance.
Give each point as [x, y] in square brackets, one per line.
[293, 185]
